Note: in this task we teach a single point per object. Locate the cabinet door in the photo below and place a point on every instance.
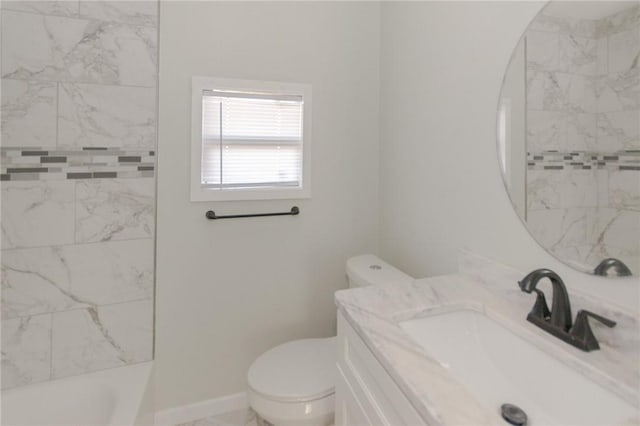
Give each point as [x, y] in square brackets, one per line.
[379, 399]
[349, 411]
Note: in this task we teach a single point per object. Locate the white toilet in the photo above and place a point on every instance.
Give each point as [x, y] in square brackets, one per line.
[293, 384]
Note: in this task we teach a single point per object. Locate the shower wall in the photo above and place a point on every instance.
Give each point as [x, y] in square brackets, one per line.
[583, 136]
[78, 186]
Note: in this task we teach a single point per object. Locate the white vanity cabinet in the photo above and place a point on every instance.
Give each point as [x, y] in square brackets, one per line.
[365, 393]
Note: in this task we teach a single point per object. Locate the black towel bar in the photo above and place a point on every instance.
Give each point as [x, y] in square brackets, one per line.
[212, 215]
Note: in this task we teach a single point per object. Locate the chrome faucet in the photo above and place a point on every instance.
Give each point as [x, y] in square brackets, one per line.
[557, 321]
[560, 314]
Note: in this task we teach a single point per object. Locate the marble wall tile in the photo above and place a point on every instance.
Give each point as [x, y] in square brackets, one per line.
[97, 338]
[114, 209]
[621, 21]
[36, 281]
[619, 131]
[143, 13]
[592, 230]
[546, 130]
[561, 189]
[140, 13]
[546, 90]
[28, 113]
[581, 94]
[37, 213]
[38, 46]
[619, 228]
[53, 7]
[581, 132]
[602, 56]
[106, 116]
[131, 325]
[542, 50]
[556, 91]
[602, 178]
[624, 189]
[619, 91]
[624, 50]
[111, 272]
[52, 48]
[546, 21]
[52, 279]
[577, 54]
[121, 54]
[559, 227]
[26, 350]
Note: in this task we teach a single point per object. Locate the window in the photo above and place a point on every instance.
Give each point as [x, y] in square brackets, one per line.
[250, 140]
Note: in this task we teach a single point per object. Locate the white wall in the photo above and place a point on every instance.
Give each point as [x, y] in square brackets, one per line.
[441, 189]
[229, 290]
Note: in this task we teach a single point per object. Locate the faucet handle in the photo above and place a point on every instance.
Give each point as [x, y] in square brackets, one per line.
[582, 330]
[583, 314]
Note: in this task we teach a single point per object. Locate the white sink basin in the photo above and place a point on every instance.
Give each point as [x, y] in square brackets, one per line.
[497, 366]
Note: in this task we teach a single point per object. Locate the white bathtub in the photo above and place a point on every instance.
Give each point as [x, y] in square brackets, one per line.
[114, 397]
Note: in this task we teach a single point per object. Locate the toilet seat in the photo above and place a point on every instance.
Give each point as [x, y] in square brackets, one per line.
[294, 384]
[297, 371]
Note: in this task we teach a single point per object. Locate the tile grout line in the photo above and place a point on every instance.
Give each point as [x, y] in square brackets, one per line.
[51, 347]
[78, 17]
[75, 213]
[57, 114]
[78, 308]
[74, 243]
[80, 83]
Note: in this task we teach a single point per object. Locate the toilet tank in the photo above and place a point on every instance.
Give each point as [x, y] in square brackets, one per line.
[368, 269]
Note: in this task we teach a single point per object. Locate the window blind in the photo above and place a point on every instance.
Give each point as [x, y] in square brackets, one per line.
[251, 140]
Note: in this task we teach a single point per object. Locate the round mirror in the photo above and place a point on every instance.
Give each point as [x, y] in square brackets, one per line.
[569, 134]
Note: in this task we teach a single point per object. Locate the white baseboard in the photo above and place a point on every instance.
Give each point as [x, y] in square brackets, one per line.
[202, 409]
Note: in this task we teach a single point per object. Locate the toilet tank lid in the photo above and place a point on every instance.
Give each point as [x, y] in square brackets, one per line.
[301, 370]
[368, 269]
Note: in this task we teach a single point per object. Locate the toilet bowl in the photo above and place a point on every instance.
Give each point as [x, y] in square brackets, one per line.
[293, 384]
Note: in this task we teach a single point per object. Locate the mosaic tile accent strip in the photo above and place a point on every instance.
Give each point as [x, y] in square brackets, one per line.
[85, 163]
[556, 160]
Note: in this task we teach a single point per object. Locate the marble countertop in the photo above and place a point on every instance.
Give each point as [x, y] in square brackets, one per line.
[375, 312]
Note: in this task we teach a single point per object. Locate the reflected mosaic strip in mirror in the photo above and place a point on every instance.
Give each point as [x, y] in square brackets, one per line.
[555, 160]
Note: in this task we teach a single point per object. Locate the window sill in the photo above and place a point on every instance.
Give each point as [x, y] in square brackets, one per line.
[204, 194]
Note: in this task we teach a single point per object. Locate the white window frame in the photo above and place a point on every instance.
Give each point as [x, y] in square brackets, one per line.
[199, 84]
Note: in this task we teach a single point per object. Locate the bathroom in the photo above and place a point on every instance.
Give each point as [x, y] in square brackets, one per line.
[404, 165]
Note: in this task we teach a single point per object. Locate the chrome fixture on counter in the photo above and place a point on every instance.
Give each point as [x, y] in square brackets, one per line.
[557, 321]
